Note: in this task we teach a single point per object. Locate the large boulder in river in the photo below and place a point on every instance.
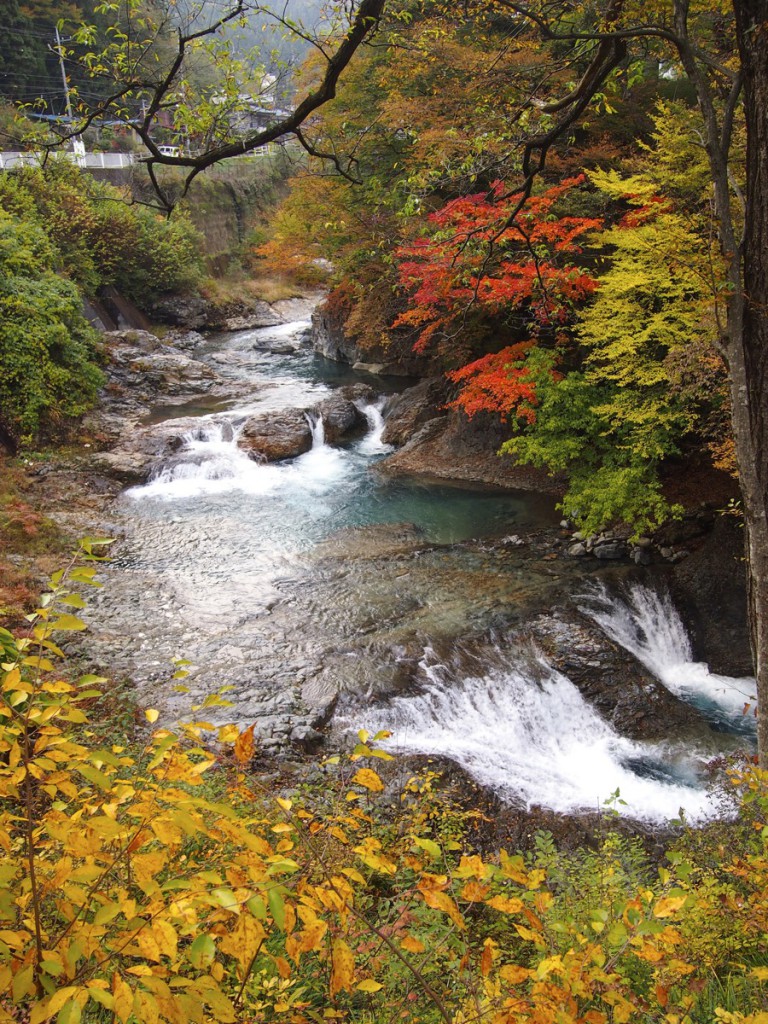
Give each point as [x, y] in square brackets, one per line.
[341, 411]
[329, 337]
[142, 449]
[273, 436]
[452, 447]
[340, 417]
[194, 312]
[187, 311]
[148, 370]
[244, 318]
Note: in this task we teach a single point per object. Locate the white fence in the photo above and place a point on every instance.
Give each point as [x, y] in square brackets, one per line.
[108, 161]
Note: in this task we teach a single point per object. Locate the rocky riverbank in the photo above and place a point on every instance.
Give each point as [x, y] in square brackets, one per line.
[350, 622]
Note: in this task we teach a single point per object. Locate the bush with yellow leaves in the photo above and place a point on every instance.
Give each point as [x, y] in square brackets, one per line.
[130, 895]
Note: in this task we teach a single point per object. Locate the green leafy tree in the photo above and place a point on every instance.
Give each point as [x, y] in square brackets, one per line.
[650, 378]
[48, 373]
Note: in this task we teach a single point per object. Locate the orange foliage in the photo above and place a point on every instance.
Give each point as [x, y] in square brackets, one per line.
[498, 383]
[485, 256]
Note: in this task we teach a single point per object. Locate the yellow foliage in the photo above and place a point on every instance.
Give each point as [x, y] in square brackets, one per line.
[150, 902]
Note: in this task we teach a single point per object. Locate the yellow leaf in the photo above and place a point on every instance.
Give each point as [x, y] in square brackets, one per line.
[149, 1012]
[167, 833]
[243, 941]
[412, 945]
[354, 874]
[506, 904]
[369, 985]
[68, 622]
[486, 960]
[123, 996]
[311, 937]
[474, 892]
[284, 803]
[441, 901]
[342, 967]
[228, 734]
[471, 867]
[549, 965]
[527, 934]
[668, 905]
[513, 974]
[151, 715]
[369, 779]
[245, 746]
[57, 1000]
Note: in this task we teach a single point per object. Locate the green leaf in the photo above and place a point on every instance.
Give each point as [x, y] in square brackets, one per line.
[429, 847]
[202, 952]
[226, 899]
[70, 1013]
[94, 775]
[277, 907]
[257, 907]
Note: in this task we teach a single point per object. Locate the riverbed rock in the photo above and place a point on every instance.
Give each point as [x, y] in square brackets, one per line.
[298, 307]
[341, 416]
[194, 312]
[187, 311]
[710, 588]
[142, 369]
[261, 315]
[273, 436]
[622, 691]
[451, 447]
[143, 449]
[411, 409]
[608, 550]
[183, 339]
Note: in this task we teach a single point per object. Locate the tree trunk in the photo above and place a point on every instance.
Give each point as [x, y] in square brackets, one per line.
[748, 343]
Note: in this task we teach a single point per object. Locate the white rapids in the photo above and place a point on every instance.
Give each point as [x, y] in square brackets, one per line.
[210, 462]
[536, 741]
[524, 730]
[648, 625]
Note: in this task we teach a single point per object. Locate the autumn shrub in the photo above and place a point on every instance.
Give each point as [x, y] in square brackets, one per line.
[133, 891]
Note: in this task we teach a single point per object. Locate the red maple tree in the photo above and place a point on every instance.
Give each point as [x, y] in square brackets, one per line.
[484, 257]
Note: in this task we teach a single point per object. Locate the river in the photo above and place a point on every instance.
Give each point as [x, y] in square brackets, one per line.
[322, 597]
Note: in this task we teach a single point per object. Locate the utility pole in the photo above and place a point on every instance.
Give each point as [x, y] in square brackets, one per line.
[78, 146]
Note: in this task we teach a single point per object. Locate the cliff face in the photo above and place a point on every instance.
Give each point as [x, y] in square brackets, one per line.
[394, 356]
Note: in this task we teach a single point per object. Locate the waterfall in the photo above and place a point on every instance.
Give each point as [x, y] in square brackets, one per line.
[317, 427]
[372, 443]
[526, 732]
[647, 624]
[209, 462]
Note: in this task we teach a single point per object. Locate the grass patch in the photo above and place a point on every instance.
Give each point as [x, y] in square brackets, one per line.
[237, 288]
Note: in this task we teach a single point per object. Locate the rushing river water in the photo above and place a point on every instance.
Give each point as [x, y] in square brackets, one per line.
[293, 583]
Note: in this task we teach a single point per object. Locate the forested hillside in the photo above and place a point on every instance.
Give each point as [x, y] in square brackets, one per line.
[588, 321]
